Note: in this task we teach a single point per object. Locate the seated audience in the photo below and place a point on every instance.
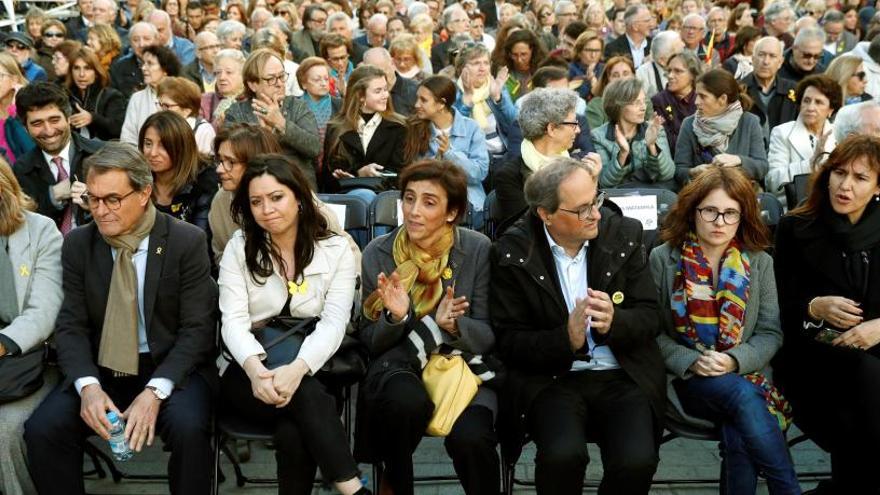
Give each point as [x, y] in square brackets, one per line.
[679, 98]
[567, 345]
[106, 44]
[159, 63]
[52, 34]
[523, 51]
[721, 132]
[408, 58]
[403, 91]
[634, 151]
[314, 77]
[160, 384]
[98, 109]
[739, 63]
[228, 84]
[29, 244]
[183, 97]
[264, 103]
[14, 139]
[720, 328]
[773, 98]
[849, 71]
[126, 73]
[830, 309]
[438, 130]
[289, 246]
[615, 68]
[231, 33]
[427, 292]
[796, 146]
[20, 46]
[587, 62]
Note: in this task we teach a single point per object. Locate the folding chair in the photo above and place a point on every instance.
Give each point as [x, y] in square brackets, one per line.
[796, 190]
[771, 209]
[383, 211]
[357, 216]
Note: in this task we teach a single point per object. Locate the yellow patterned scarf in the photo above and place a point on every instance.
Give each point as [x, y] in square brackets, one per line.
[419, 271]
[480, 98]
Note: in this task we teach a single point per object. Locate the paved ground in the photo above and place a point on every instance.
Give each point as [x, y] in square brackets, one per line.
[680, 460]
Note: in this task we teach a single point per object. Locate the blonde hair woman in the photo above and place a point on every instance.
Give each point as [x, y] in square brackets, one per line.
[103, 39]
[849, 71]
[30, 274]
[408, 59]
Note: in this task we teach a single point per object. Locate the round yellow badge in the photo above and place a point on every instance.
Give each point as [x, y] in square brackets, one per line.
[617, 298]
[447, 273]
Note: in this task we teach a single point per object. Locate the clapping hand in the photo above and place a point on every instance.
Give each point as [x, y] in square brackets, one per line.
[394, 296]
[497, 84]
[601, 310]
[449, 309]
[653, 131]
[577, 323]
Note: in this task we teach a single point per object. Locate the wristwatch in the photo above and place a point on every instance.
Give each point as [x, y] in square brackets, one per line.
[158, 393]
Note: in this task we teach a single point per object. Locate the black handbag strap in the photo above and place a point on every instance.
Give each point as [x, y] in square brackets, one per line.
[291, 331]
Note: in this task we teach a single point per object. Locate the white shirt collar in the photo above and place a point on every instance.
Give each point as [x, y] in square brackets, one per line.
[64, 154]
[558, 250]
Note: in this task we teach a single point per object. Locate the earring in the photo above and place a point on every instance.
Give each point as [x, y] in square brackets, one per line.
[877, 197]
[299, 206]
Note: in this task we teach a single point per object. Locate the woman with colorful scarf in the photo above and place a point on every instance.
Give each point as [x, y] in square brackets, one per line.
[722, 132]
[720, 314]
[426, 290]
[827, 260]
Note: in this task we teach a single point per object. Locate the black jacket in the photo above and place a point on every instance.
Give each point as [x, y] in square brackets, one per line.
[35, 176]
[488, 9]
[403, 95]
[440, 55]
[107, 106]
[126, 75]
[385, 148]
[180, 302]
[793, 73]
[620, 46]
[530, 317]
[782, 107]
[193, 203]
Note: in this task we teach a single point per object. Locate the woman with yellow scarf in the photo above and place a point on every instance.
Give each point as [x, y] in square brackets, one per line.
[426, 286]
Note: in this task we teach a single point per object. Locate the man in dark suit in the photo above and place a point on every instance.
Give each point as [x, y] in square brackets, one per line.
[125, 73]
[804, 58]
[635, 43]
[148, 359]
[455, 21]
[81, 22]
[105, 12]
[50, 172]
[305, 42]
[773, 98]
[575, 317]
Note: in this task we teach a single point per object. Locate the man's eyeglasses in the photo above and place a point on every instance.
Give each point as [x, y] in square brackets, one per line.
[710, 214]
[573, 124]
[282, 77]
[810, 56]
[209, 47]
[585, 213]
[112, 202]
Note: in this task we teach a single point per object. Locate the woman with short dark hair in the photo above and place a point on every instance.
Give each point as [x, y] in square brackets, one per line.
[827, 254]
[678, 99]
[720, 316]
[98, 109]
[426, 287]
[158, 63]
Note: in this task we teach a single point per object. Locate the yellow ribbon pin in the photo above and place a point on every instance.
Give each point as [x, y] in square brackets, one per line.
[293, 288]
[23, 270]
[176, 207]
[791, 95]
[617, 298]
[447, 273]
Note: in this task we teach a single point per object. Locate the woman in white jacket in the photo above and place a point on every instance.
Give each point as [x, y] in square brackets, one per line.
[793, 145]
[285, 260]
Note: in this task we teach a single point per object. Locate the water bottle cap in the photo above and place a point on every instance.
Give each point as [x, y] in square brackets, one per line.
[112, 417]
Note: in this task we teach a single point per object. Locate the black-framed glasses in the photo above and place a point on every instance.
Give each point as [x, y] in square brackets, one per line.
[282, 77]
[571, 123]
[585, 213]
[112, 202]
[710, 214]
[227, 165]
[811, 56]
[164, 105]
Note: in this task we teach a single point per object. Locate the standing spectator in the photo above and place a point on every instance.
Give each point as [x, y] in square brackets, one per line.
[126, 74]
[376, 32]
[98, 110]
[81, 22]
[105, 12]
[739, 63]
[182, 96]
[159, 63]
[721, 39]
[28, 306]
[478, 31]
[773, 98]
[314, 77]
[826, 251]
[21, 46]
[455, 21]
[265, 103]
[167, 392]
[14, 139]
[721, 132]
[678, 100]
[182, 47]
[587, 62]
[105, 42]
[636, 42]
[805, 56]
[341, 24]
[52, 35]
[201, 70]
[634, 152]
[795, 146]
[336, 50]
[33, 24]
[693, 32]
[849, 71]
[720, 319]
[307, 41]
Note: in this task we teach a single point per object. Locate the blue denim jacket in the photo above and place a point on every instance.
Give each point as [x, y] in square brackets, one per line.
[467, 149]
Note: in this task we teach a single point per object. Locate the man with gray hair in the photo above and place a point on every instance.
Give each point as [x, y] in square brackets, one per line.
[693, 33]
[565, 12]
[455, 21]
[201, 71]
[636, 42]
[805, 56]
[182, 47]
[105, 12]
[653, 74]
[861, 118]
[837, 39]
[135, 334]
[773, 98]
[376, 32]
[574, 307]
[125, 73]
[340, 23]
[778, 19]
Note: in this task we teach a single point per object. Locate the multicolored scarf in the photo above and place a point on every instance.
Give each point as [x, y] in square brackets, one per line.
[419, 271]
[706, 318]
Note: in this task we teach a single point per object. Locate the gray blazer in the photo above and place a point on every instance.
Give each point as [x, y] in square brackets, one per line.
[35, 252]
[746, 142]
[762, 332]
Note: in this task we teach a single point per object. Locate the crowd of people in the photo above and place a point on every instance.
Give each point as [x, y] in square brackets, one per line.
[163, 171]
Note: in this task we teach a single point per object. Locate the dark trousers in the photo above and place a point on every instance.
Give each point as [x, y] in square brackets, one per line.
[401, 412]
[835, 395]
[602, 406]
[308, 431]
[751, 439]
[55, 434]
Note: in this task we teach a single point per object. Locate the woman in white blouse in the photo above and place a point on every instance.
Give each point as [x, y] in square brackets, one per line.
[793, 144]
[284, 259]
[158, 62]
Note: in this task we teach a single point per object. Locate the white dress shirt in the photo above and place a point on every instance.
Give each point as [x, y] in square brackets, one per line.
[637, 52]
[572, 273]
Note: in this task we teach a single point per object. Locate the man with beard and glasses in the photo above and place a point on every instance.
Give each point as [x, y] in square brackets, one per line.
[51, 173]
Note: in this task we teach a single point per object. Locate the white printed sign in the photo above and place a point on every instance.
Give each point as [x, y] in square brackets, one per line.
[339, 211]
[641, 208]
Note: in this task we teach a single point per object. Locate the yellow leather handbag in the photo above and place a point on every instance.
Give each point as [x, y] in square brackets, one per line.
[451, 385]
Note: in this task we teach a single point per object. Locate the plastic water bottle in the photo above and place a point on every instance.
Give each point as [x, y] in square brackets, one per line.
[118, 445]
